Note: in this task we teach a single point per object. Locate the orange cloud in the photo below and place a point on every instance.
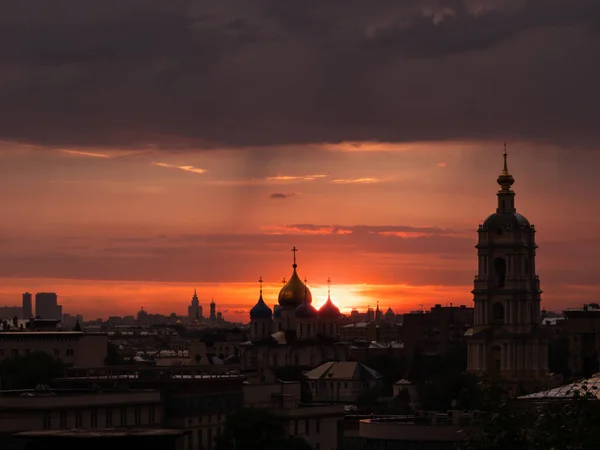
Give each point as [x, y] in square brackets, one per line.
[80, 153]
[184, 168]
[356, 180]
[295, 177]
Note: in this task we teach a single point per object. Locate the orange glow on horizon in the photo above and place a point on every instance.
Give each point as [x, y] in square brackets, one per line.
[95, 299]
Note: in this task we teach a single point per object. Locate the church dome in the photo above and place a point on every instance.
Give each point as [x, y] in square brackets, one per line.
[306, 311]
[329, 310]
[261, 310]
[506, 221]
[292, 294]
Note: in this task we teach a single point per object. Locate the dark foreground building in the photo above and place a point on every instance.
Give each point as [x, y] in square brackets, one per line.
[103, 439]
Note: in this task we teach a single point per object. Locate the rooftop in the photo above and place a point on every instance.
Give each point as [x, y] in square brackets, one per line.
[346, 370]
[103, 433]
[569, 391]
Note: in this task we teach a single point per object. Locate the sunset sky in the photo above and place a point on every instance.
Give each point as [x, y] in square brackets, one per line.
[149, 148]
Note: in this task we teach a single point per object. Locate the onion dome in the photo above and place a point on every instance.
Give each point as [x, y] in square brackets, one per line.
[261, 310]
[306, 310]
[329, 310]
[294, 291]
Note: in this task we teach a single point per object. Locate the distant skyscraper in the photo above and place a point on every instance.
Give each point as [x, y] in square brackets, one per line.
[213, 311]
[195, 310]
[27, 312]
[370, 315]
[47, 307]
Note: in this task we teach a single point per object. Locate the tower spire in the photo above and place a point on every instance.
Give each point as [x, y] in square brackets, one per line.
[260, 280]
[294, 249]
[329, 287]
[506, 196]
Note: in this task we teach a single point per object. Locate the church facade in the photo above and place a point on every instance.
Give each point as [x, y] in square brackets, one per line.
[507, 341]
[294, 332]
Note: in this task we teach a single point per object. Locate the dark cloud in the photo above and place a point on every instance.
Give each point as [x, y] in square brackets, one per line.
[280, 195]
[398, 230]
[369, 254]
[199, 73]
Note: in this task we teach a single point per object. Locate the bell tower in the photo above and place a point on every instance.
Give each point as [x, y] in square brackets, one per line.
[506, 341]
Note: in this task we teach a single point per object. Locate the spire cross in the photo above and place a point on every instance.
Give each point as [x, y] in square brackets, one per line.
[294, 249]
[505, 155]
[260, 280]
[305, 280]
[283, 281]
[329, 287]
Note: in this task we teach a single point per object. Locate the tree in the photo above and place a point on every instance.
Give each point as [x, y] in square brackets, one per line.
[255, 428]
[555, 424]
[28, 371]
[113, 357]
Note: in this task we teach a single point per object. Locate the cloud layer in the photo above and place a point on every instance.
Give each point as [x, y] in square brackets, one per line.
[200, 73]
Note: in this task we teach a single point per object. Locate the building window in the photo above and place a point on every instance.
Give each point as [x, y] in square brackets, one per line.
[318, 425]
[199, 437]
[70, 352]
[94, 418]
[78, 419]
[137, 415]
[295, 428]
[152, 414]
[108, 418]
[14, 352]
[307, 427]
[47, 421]
[124, 416]
[63, 420]
[500, 271]
[56, 352]
[27, 352]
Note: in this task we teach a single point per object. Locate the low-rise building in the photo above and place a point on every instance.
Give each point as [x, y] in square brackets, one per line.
[321, 425]
[428, 431]
[342, 382]
[73, 348]
[583, 328]
[148, 439]
[359, 331]
[44, 409]
[196, 399]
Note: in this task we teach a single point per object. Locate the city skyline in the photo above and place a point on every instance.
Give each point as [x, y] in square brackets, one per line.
[195, 144]
[408, 264]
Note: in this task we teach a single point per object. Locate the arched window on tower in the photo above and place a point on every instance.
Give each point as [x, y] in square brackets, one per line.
[498, 312]
[526, 266]
[500, 272]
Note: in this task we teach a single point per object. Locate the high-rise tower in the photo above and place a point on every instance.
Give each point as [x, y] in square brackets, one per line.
[27, 306]
[213, 311]
[506, 340]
